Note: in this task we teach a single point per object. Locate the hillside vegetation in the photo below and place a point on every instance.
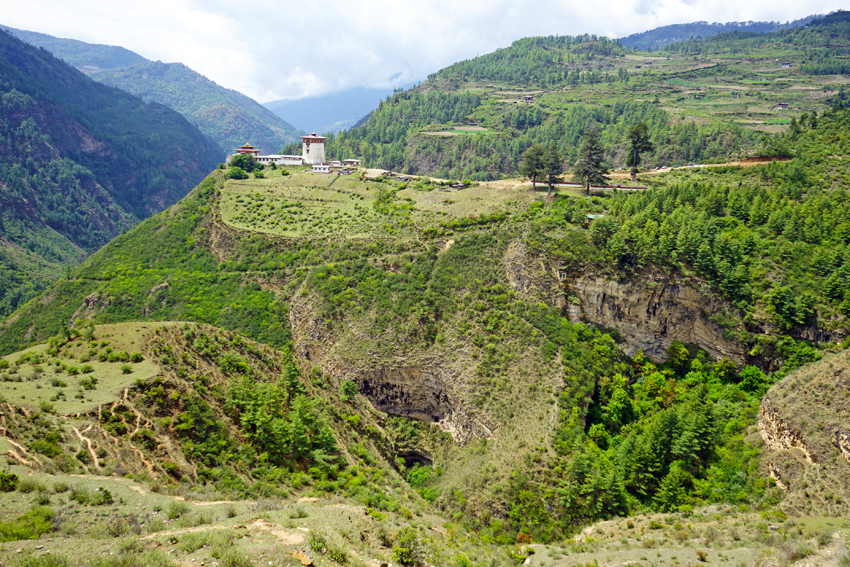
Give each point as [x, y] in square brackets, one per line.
[379, 283]
[225, 115]
[468, 373]
[80, 163]
[703, 100]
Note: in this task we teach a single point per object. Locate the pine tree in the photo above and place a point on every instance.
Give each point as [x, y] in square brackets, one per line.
[590, 167]
[553, 167]
[639, 142]
[533, 163]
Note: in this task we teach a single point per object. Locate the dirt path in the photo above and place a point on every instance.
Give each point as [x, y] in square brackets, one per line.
[23, 451]
[748, 162]
[87, 441]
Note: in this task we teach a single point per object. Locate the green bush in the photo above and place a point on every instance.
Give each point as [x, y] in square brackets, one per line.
[29, 526]
[8, 481]
[126, 369]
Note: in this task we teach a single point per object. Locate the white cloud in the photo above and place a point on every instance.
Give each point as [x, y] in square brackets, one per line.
[269, 49]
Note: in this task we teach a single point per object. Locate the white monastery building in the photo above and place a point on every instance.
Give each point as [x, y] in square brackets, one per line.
[313, 149]
[312, 153]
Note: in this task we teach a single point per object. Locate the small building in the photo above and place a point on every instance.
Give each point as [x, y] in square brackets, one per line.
[351, 162]
[647, 63]
[782, 106]
[247, 149]
[321, 168]
[279, 159]
[786, 65]
[335, 163]
[528, 99]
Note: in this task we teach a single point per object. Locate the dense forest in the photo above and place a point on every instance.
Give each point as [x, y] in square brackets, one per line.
[395, 136]
[829, 35]
[657, 38]
[227, 116]
[81, 162]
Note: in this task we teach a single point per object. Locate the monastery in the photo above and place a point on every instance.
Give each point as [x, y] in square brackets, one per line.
[312, 153]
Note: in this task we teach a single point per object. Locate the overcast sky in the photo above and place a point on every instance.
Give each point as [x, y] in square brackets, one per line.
[271, 50]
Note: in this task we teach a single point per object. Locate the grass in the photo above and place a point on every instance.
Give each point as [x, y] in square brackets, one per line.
[75, 380]
[303, 205]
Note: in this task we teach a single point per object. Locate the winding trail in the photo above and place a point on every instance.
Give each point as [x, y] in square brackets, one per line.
[88, 443]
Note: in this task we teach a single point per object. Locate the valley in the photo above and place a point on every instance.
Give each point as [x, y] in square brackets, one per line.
[383, 365]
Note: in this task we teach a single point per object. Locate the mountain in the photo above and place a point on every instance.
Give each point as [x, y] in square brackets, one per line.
[225, 115]
[80, 162]
[363, 368]
[331, 112]
[655, 39]
[79, 54]
[701, 100]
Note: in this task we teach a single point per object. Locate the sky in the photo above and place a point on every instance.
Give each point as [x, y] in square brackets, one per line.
[272, 50]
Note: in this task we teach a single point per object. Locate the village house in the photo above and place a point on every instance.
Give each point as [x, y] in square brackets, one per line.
[528, 98]
[321, 168]
[782, 106]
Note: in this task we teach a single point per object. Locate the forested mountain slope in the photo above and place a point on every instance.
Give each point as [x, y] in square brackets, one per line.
[657, 38]
[227, 116]
[483, 310]
[80, 162]
[702, 100]
[79, 54]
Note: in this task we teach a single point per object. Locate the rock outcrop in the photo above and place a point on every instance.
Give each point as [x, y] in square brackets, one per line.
[650, 313]
[778, 435]
[421, 387]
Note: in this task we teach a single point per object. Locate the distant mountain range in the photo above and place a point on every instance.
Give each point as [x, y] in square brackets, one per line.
[329, 112]
[227, 116]
[659, 37]
[80, 162]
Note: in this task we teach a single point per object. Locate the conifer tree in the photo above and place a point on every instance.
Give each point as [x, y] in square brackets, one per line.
[533, 163]
[590, 167]
[638, 143]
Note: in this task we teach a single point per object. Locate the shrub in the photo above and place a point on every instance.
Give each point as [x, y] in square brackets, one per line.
[136, 357]
[176, 509]
[8, 481]
[126, 369]
[408, 548]
[348, 390]
[87, 369]
[29, 526]
[27, 485]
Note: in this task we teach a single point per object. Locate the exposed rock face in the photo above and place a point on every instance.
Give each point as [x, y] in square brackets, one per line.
[419, 393]
[418, 387]
[778, 435]
[650, 313]
[841, 440]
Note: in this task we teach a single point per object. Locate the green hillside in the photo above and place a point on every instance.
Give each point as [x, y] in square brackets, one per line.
[381, 283]
[227, 116]
[361, 368]
[655, 39]
[80, 163]
[703, 100]
[80, 54]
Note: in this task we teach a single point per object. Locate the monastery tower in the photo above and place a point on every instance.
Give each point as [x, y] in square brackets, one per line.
[313, 149]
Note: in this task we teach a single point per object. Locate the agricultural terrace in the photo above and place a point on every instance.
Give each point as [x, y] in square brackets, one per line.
[307, 204]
